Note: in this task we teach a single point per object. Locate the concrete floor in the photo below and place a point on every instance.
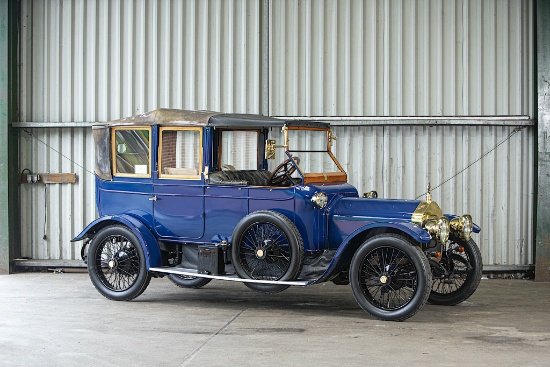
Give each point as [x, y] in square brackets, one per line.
[60, 320]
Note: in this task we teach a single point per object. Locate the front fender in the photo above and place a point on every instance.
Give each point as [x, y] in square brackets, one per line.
[147, 240]
[348, 247]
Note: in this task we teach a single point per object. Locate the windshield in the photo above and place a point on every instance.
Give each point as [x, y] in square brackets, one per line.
[309, 149]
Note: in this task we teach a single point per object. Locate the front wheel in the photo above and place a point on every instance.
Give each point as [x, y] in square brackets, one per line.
[390, 277]
[457, 275]
[116, 264]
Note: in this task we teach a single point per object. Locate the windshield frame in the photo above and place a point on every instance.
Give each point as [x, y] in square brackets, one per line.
[310, 177]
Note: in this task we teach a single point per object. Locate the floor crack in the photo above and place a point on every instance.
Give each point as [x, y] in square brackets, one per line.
[191, 356]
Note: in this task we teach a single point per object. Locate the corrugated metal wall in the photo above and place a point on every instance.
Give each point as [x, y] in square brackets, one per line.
[53, 214]
[102, 60]
[401, 58]
[99, 60]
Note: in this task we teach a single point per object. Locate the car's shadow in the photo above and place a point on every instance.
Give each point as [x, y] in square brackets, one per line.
[316, 300]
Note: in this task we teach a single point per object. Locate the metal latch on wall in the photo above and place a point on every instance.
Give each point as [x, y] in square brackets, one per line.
[28, 177]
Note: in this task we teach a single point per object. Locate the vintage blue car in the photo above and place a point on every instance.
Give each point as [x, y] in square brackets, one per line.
[198, 195]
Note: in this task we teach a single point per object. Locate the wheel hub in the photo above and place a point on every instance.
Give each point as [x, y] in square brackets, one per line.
[260, 253]
[384, 279]
[261, 250]
[112, 264]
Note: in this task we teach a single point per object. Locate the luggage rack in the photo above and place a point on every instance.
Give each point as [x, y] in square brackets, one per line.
[230, 277]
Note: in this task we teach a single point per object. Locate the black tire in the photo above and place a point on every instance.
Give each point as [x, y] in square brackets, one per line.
[267, 246]
[116, 264]
[459, 277]
[390, 277]
[187, 281]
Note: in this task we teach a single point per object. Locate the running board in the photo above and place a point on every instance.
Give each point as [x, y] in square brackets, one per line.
[230, 277]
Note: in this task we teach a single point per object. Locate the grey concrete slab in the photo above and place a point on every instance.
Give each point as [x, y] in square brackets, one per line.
[60, 320]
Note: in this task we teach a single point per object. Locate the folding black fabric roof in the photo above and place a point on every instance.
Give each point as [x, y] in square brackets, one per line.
[173, 117]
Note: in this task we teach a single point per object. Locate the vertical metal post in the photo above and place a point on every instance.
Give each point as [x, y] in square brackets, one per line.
[9, 16]
[264, 62]
[542, 237]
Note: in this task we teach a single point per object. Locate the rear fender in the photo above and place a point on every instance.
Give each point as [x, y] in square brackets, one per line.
[148, 242]
[352, 242]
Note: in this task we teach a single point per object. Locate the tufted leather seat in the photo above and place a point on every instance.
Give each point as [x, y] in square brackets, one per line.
[240, 177]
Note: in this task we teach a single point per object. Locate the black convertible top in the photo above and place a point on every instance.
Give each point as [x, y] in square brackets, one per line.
[173, 117]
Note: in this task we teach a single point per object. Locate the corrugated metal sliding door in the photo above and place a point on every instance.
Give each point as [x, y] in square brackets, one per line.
[420, 58]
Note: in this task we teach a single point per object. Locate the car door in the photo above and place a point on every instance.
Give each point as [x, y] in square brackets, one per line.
[235, 150]
[130, 190]
[179, 187]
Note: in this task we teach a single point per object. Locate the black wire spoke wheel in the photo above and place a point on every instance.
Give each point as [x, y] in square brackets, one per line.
[116, 264]
[390, 277]
[188, 281]
[119, 263]
[265, 252]
[457, 275]
[267, 246]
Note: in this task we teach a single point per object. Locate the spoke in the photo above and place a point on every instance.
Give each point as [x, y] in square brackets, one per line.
[281, 269]
[375, 267]
[457, 266]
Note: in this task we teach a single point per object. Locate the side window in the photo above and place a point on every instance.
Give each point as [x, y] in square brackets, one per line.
[131, 147]
[239, 150]
[180, 153]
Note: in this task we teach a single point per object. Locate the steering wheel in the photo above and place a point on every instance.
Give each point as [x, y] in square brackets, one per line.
[282, 174]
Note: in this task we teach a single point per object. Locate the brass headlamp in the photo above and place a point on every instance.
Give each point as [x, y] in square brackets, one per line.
[438, 228]
[462, 226]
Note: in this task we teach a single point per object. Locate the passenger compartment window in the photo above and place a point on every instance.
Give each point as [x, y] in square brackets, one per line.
[180, 153]
[239, 150]
[131, 147]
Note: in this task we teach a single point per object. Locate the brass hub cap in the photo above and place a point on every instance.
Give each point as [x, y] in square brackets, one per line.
[260, 253]
[384, 279]
[112, 264]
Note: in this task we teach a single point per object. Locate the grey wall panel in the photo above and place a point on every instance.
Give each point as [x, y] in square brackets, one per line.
[53, 214]
[102, 60]
[401, 58]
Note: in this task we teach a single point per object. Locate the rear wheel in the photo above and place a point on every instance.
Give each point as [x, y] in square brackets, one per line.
[116, 264]
[187, 281]
[267, 246]
[390, 277]
[457, 275]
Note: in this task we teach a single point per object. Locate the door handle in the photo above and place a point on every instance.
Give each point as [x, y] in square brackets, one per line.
[153, 198]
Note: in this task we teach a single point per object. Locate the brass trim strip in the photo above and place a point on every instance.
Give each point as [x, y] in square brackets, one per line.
[114, 151]
[159, 159]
